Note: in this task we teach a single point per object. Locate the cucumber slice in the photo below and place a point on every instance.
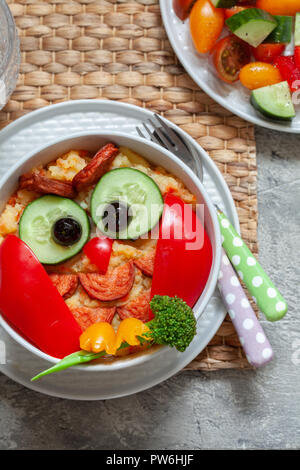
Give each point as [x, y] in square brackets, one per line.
[224, 3]
[282, 34]
[252, 25]
[274, 101]
[297, 29]
[134, 189]
[36, 225]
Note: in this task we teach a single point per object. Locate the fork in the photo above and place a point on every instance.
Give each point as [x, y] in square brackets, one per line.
[252, 337]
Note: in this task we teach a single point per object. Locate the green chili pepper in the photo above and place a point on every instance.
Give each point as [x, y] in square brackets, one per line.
[75, 359]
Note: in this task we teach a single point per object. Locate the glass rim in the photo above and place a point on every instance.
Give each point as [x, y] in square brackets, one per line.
[12, 37]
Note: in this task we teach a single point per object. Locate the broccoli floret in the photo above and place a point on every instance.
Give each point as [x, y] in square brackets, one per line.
[174, 323]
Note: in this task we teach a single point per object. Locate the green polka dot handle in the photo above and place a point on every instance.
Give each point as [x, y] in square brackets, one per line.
[265, 294]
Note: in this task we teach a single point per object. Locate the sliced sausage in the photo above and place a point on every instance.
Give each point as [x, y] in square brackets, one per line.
[115, 284]
[86, 316]
[136, 308]
[146, 263]
[96, 168]
[41, 184]
[66, 284]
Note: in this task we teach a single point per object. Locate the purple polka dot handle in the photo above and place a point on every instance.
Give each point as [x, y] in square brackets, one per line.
[252, 337]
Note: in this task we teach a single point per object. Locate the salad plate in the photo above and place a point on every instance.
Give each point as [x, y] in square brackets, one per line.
[234, 97]
[60, 121]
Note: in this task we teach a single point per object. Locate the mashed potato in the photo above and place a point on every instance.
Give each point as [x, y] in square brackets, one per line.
[67, 166]
[9, 219]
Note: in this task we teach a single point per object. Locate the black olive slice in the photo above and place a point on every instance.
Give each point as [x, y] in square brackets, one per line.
[66, 231]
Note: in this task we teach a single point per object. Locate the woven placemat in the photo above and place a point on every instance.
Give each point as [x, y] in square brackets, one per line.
[118, 49]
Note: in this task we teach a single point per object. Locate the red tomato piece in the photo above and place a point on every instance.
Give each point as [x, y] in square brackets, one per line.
[98, 250]
[183, 255]
[230, 54]
[268, 52]
[297, 56]
[259, 74]
[32, 304]
[289, 71]
[182, 8]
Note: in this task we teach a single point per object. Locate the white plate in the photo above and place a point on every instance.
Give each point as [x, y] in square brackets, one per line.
[39, 128]
[234, 98]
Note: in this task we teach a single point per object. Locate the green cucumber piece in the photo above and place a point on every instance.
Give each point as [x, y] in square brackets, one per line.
[252, 25]
[282, 34]
[135, 189]
[297, 29]
[35, 228]
[274, 101]
[224, 3]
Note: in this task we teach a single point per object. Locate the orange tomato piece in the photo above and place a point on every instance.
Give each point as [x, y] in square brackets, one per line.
[259, 74]
[279, 7]
[206, 24]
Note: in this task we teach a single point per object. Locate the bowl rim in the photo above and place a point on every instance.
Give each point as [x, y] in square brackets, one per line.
[142, 357]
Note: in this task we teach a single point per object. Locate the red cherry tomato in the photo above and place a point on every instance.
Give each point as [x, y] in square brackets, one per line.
[268, 52]
[230, 54]
[182, 8]
[229, 12]
[98, 250]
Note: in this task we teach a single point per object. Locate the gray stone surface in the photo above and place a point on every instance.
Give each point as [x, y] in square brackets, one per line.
[195, 410]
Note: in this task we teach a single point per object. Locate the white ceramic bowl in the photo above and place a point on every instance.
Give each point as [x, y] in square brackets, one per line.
[92, 141]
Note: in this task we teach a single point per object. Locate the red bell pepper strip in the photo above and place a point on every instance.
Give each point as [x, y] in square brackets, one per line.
[98, 250]
[297, 56]
[30, 302]
[183, 260]
[289, 71]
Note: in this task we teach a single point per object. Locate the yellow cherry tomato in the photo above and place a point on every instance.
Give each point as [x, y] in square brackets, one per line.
[259, 74]
[206, 24]
[128, 331]
[99, 337]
